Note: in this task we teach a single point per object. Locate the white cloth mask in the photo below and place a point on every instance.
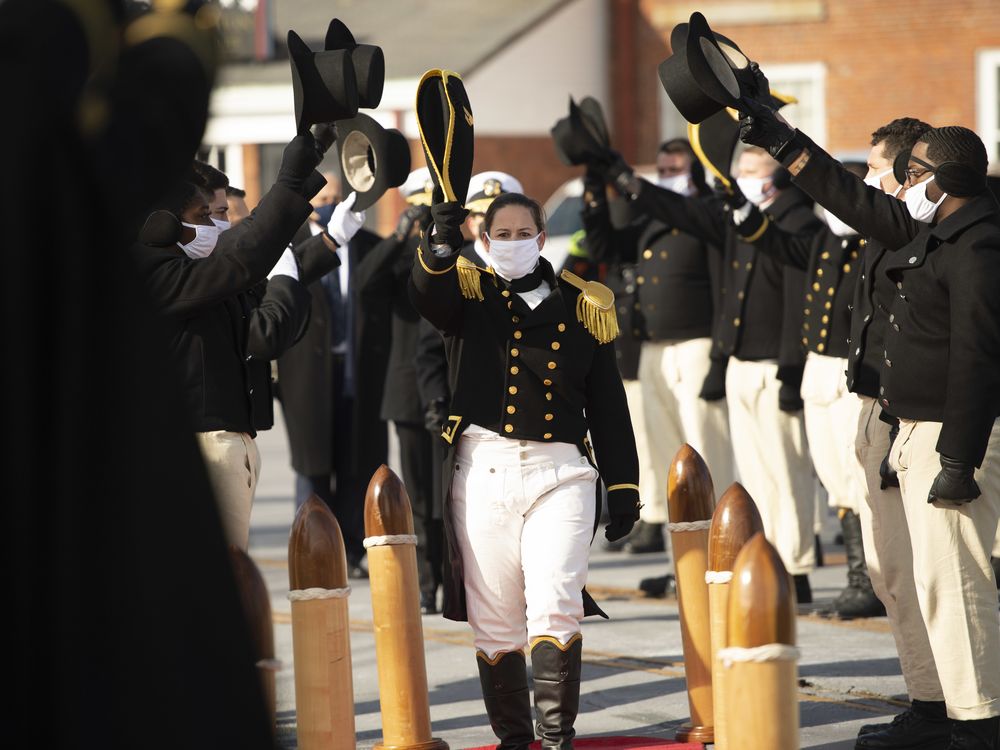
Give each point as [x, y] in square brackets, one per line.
[679, 183]
[204, 240]
[875, 181]
[753, 189]
[222, 224]
[838, 227]
[513, 259]
[919, 205]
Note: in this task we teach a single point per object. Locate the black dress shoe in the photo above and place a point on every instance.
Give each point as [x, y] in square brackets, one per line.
[803, 591]
[658, 587]
[976, 734]
[923, 726]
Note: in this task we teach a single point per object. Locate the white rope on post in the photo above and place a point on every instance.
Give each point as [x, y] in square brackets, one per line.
[690, 525]
[305, 595]
[758, 654]
[718, 576]
[379, 541]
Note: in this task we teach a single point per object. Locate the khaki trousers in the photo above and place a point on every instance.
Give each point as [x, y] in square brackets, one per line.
[773, 461]
[831, 415]
[956, 589]
[671, 375]
[233, 465]
[890, 558]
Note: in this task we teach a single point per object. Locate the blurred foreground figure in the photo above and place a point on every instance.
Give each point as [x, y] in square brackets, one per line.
[119, 642]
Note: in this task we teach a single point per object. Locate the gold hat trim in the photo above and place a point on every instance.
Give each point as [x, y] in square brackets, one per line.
[443, 179]
[595, 307]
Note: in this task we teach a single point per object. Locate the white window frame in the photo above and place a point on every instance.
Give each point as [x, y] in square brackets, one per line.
[988, 102]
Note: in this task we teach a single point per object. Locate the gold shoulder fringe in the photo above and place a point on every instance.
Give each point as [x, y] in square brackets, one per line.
[469, 279]
[595, 307]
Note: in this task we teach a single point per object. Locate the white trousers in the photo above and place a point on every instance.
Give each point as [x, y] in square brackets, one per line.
[233, 464]
[773, 461]
[956, 588]
[671, 375]
[831, 414]
[523, 514]
[647, 487]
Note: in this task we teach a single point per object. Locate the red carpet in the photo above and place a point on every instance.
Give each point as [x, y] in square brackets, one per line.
[618, 743]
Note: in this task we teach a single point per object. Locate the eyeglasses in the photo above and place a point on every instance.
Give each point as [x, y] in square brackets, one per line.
[913, 174]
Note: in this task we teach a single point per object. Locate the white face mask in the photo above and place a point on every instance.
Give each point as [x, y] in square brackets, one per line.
[919, 205]
[204, 240]
[513, 259]
[838, 227]
[679, 183]
[753, 189]
[222, 224]
[875, 181]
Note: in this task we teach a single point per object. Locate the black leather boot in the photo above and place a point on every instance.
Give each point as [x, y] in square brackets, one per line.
[556, 672]
[504, 680]
[857, 599]
[978, 734]
[923, 726]
[803, 591]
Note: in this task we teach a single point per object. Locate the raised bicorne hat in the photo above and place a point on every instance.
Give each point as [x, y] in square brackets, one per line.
[445, 122]
[581, 136]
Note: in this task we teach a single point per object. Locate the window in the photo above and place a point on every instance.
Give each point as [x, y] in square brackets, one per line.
[988, 103]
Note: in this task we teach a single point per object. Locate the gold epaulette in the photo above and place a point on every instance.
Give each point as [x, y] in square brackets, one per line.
[469, 278]
[595, 307]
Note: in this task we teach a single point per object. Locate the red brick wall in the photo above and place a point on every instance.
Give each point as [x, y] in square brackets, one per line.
[884, 59]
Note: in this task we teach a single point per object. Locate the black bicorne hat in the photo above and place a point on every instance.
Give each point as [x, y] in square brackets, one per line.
[369, 63]
[445, 122]
[324, 84]
[581, 136]
[372, 159]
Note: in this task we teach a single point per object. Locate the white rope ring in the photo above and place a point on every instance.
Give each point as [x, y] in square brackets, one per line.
[379, 541]
[690, 525]
[271, 665]
[305, 595]
[758, 654]
[718, 576]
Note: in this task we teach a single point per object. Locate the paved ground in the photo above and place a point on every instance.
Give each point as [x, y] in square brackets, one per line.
[633, 666]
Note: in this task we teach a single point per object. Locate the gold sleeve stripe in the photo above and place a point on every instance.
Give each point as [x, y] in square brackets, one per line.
[614, 487]
[759, 233]
[420, 257]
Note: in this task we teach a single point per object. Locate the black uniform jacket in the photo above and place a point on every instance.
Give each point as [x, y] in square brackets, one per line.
[941, 357]
[527, 374]
[222, 323]
[759, 315]
[830, 262]
[306, 377]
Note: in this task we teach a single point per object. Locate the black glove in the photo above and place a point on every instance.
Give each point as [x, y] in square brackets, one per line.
[325, 135]
[412, 216]
[954, 483]
[885, 470]
[593, 186]
[763, 86]
[447, 217]
[760, 126]
[298, 162]
[435, 415]
[714, 387]
[619, 175]
[789, 398]
[623, 512]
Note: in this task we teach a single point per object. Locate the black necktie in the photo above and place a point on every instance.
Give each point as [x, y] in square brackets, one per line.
[527, 283]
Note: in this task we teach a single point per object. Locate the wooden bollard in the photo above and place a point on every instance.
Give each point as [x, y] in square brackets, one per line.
[734, 522]
[690, 502]
[399, 631]
[257, 610]
[760, 655]
[321, 638]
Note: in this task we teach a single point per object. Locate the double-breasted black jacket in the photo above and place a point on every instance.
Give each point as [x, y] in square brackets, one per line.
[527, 374]
[941, 356]
[222, 323]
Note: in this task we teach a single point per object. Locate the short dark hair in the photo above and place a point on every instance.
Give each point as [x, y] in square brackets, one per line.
[955, 143]
[180, 197]
[683, 146]
[207, 177]
[676, 146]
[899, 135]
[514, 199]
[235, 192]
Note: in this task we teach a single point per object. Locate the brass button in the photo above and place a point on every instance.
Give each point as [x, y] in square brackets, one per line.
[847, 268]
[656, 279]
[511, 410]
[805, 341]
[516, 319]
[749, 265]
[825, 318]
[549, 417]
[512, 390]
[815, 286]
[514, 370]
[827, 305]
[663, 254]
[508, 428]
[806, 311]
[561, 327]
[831, 291]
[510, 305]
[647, 254]
[547, 381]
[555, 346]
[740, 294]
[809, 298]
[820, 347]
[736, 321]
[736, 264]
[640, 280]
[825, 255]
[822, 332]
[547, 436]
[505, 293]
[552, 365]
[548, 396]
[514, 352]
[518, 334]
[819, 271]
[805, 326]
